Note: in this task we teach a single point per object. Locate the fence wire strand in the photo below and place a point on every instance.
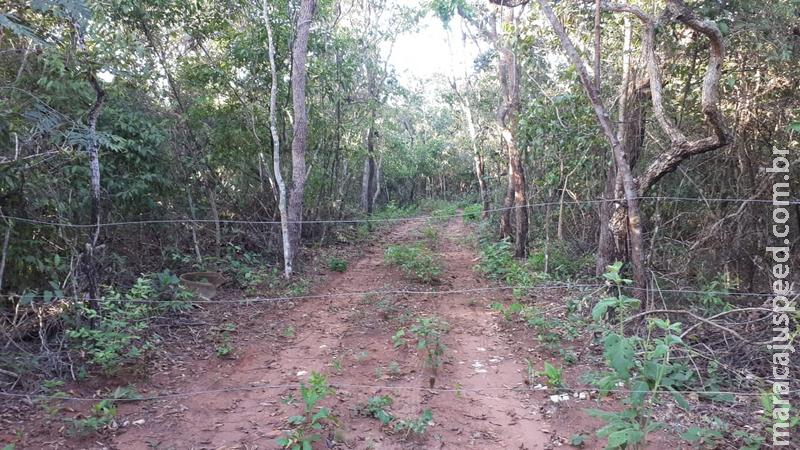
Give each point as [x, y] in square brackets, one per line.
[377, 219]
[377, 387]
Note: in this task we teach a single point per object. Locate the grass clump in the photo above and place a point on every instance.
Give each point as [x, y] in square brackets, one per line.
[415, 261]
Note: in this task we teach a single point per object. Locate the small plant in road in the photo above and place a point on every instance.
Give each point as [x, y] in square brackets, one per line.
[416, 426]
[428, 332]
[378, 408]
[308, 426]
[415, 261]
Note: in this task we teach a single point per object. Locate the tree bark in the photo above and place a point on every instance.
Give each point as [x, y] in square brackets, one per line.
[476, 154]
[368, 179]
[629, 187]
[300, 126]
[507, 122]
[276, 148]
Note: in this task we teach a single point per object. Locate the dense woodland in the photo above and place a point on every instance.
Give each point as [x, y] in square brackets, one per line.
[144, 139]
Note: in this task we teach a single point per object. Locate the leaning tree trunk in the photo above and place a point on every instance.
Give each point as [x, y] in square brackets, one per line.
[276, 149]
[300, 126]
[476, 154]
[628, 185]
[612, 242]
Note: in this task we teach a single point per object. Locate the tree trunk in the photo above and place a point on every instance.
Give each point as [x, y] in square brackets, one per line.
[508, 203]
[91, 269]
[629, 187]
[300, 127]
[507, 123]
[476, 155]
[368, 179]
[276, 149]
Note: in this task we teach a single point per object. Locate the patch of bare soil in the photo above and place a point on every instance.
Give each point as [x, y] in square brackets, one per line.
[480, 398]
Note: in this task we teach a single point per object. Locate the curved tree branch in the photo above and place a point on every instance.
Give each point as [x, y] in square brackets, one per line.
[682, 148]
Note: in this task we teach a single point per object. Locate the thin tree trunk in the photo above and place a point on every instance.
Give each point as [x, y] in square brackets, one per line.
[508, 203]
[4, 254]
[194, 225]
[276, 148]
[597, 44]
[300, 126]
[476, 155]
[94, 168]
[609, 249]
[506, 122]
[212, 201]
[377, 187]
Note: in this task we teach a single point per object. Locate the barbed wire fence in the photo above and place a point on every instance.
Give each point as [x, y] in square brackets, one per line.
[8, 219]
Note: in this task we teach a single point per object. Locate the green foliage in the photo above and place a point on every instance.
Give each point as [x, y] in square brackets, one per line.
[645, 367]
[416, 426]
[472, 213]
[554, 376]
[337, 264]
[577, 440]
[509, 311]
[101, 414]
[563, 262]
[120, 335]
[498, 263]
[392, 211]
[306, 428]
[224, 348]
[415, 261]
[428, 333]
[377, 407]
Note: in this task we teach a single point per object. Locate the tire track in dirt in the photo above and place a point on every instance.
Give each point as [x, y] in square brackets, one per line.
[348, 339]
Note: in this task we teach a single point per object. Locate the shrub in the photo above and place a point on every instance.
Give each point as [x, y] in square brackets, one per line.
[120, 335]
[472, 213]
[498, 263]
[337, 265]
[415, 261]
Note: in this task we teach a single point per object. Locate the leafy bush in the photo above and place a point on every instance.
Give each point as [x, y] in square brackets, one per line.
[472, 213]
[392, 211]
[428, 332]
[119, 335]
[377, 407]
[102, 414]
[415, 261]
[562, 262]
[498, 263]
[337, 265]
[414, 426]
[644, 366]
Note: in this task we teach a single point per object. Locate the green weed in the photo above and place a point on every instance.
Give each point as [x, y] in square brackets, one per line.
[415, 261]
[306, 428]
[337, 265]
